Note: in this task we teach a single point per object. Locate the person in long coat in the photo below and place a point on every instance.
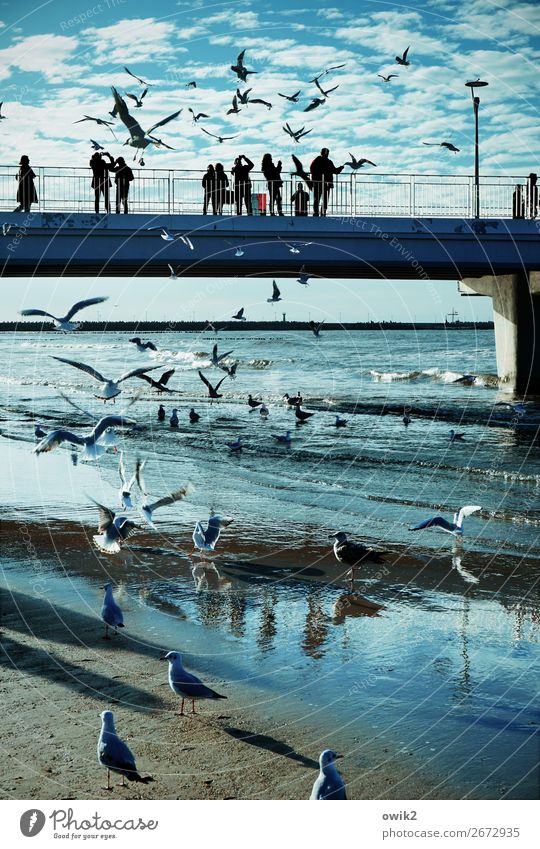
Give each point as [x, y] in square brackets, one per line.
[26, 190]
[100, 178]
[123, 175]
[209, 187]
[222, 184]
[272, 174]
[322, 174]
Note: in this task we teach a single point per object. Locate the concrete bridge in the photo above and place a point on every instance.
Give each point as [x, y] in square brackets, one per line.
[497, 257]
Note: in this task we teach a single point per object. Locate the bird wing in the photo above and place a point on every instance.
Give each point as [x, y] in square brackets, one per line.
[405, 54]
[369, 162]
[301, 133]
[240, 59]
[316, 81]
[110, 421]
[83, 367]
[207, 133]
[164, 121]
[134, 128]
[178, 495]
[166, 376]
[468, 510]
[240, 312]
[435, 522]
[80, 305]
[139, 466]
[329, 90]
[122, 470]
[219, 384]
[135, 77]
[37, 312]
[259, 100]
[136, 372]
[275, 289]
[205, 380]
[106, 516]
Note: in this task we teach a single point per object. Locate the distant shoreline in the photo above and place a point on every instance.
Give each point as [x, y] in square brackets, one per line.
[199, 326]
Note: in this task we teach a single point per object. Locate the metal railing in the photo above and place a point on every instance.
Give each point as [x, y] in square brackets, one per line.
[154, 191]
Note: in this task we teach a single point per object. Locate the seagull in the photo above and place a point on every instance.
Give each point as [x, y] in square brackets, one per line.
[167, 236]
[293, 401]
[217, 358]
[292, 98]
[340, 422]
[301, 172]
[239, 315]
[56, 437]
[113, 530]
[329, 783]
[230, 371]
[322, 91]
[406, 418]
[240, 69]
[244, 98]
[358, 163]
[402, 60]
[161, 413]
[161, 383]
[264, 411]
[139, 138]
[138, 100]
[316, 328]
[220, 139]
[296, 134]
[235, 446]
[109, 388]
[39, 433]
[327, 71]
[115, 755]
[235, 109]
[135, 77]
[388, 78]
[294, 247]
[95, 145]
[205, 540]
[143, 346]
[6, 228]
[301, 415]
[447, 145]
[453, 436]
[282, 438]
[197, 117]
[276, 294]
[212, 390]
[2, 116]
[111, 612]
[353, 554]
[455, 527]
[252, 403]
[315, 102]
[185, 684]
[64, 323]
[125, 490]
[466, 379]
[98, 121]
[173, 421]
[193, 416]
[191, 84]
[303, 276]
[147, 509]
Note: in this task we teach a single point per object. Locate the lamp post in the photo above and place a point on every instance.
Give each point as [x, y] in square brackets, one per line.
[476, 103]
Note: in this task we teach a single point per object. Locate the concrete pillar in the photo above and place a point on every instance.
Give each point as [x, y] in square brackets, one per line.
[516, 314]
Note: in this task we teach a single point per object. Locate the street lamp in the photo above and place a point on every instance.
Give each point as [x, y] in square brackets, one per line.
[476, 103]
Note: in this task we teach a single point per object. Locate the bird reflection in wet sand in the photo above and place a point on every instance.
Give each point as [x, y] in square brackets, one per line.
[238, 608]
[267, 626]
[207, 577]
[353, 604]
[316, 628]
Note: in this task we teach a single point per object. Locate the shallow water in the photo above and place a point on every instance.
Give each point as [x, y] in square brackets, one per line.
[448, 669]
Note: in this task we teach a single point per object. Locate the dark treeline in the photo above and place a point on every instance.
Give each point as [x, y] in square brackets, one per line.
[198, 326]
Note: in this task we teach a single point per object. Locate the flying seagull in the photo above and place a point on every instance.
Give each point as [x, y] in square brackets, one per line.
[303, 276]
[98, 121]
[220, 139]
[244, 98]
[447, 145]
[206, 539]
[455, 527]
[388, 78]
[402, 60]
[276, 294]
[301, 172]
[327, 71]
[2, 116]
[139, 138]
[235, 109]
[292, 98]
[322, 91]
[295, 134]
[143, 346]
[64, 323]
[95, 145]
[135, 77]
[197, 116]
[138, 100]
[316, 327]
[240, 315]
[218, 358]
[213, 393]
[294, 247]
[124, 493]
[329, 784]
[185, 684]
[115, 755]
[161, 383]
[109, 388]
[147, 509]
[111, 612]
[315, 102]
[113, 530]
[240, 69]
[191, 84]
[359, 163]
[56, 437]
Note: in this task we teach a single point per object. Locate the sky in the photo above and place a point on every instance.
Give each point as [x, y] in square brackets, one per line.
[59, 59]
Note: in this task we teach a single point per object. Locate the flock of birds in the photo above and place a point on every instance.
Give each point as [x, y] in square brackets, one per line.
[141, 138]
[115, 528]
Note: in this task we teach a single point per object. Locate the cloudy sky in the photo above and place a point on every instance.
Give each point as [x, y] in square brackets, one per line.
[58, 60]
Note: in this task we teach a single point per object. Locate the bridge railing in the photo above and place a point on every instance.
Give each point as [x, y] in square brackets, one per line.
[162, 191]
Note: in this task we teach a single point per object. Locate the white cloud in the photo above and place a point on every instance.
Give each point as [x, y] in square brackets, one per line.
[42, 54]
[131, 40]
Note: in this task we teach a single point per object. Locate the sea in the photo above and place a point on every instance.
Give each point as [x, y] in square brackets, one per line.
[433, 654]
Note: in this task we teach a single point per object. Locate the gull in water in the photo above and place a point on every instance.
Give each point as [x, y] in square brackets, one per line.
[301, 415]
[292, 98]
[402, 60]
[185, 684]
[143, 346]
[212, 390]
[276, 294]
[39, 433]
[455, 436]
[355, 164]
[206, 539]
[253, 404]
[264, 411]
[303, 277]
[111, 612]
[161, 383]
[239, 315]
[316, 328]
[406, 417]
[282, 438]
[173, 421]
[293, 400]
[91, 449]
[113, 530]
[193, 416]
[147, 509]
[455, 527]
[340, 422]
[466, 379]
[354, 554]
[238, 251]
[138, 100]
[135, 77]
[296, 134]
[240, 69]
[161, 413]
[110, 389]
[139, 138]
[124, 493]
[235, 446]
[447, 145]
[386, 79]
[329, 783]
[218, 358]
[64, 323]
[115, 755]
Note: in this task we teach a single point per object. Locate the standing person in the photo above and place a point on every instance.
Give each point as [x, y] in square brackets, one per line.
[100, 178]
[123, 177]
[532, 196]
[300, 199]
[322, 174]
[26, 191]
[242, 183]
[272, 174]
[222, 184]
[209, 186]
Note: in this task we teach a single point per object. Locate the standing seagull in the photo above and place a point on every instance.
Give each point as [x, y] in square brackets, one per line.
[212, 390]
[402, 60]
[109, 388]
[193, 416]
[113, 530]
[185, 684]
[173, 421]
[125, 490]
[64, 323]
[161, 413]
[455, 527]
[206, 539]
[240, 69]
[353, 554]
[301, 415]
[329, 783]
[276, 294]
[240, 315]
[111, 612]
[253, 404]
[115, 755]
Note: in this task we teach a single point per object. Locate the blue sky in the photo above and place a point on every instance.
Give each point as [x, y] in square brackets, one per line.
[58, 60]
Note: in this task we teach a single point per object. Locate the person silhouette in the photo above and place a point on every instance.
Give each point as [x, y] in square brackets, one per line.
[209, 186]
[322, 173]
[242, 183]
[123, 175]
[272, 174]
[300, 199]
[222, 184]
[26, 191]
[532, 195]
[100, 178]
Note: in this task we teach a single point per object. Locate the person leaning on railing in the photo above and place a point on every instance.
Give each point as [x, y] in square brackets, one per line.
[322, 173]
[26, 191]
[123, 175]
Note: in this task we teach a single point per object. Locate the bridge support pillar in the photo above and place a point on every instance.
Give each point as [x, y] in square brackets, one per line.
[516, 314]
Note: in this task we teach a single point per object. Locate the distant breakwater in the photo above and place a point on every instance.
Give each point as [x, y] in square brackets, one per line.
[283, 326]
